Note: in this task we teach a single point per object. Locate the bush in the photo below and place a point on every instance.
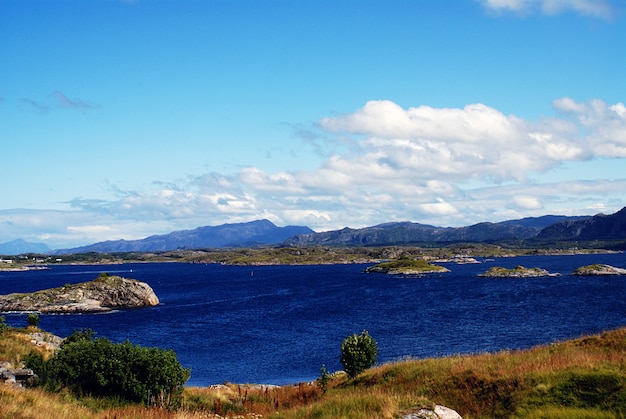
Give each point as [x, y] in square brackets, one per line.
[100, 368]
[358, 353]
[33, 319]
[324, 379]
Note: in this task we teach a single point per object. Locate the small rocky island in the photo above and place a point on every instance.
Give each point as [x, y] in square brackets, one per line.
[598, 269]
[105, 293]
[517, 272]
[406, 266]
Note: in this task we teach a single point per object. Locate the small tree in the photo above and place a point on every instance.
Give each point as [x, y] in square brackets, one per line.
[324, 379]
[3, 325]
[358, 353]
[33, 319]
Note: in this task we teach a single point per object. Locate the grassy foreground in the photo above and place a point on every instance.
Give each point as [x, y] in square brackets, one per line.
[580, 378]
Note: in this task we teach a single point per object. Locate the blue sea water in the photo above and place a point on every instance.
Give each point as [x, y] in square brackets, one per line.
[279, 324]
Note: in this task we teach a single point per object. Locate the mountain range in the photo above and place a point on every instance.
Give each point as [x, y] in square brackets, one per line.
[414, 233]
[254, 233]
[549, 228]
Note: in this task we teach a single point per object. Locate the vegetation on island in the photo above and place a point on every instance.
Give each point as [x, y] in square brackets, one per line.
[517, 272]
[579, 378]
[309, 255]
[407, 266]
[598, 269]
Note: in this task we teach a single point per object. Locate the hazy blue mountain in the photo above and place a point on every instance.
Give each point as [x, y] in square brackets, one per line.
[598, 227]
[548, 227]
[226, 235]
[19, 246]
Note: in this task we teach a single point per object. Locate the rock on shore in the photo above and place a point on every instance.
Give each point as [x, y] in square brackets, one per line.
[105, 293]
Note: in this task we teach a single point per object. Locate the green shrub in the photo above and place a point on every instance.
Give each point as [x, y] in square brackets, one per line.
[358, 353]
[592, 389]
[33, 319]
[100, 368]
[3, 325]
[323, 379]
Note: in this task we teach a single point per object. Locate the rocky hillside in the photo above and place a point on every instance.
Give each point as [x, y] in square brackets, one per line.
[401, 233]
[598, 227]
[105, 293]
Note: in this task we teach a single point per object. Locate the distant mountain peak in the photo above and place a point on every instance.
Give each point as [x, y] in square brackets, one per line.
[253, 233]
[20, 246]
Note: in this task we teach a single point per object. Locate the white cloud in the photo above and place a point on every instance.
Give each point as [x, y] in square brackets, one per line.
[594, 8]
[527, 202]
[438, 208]
[89, 229]
[603, 125]
[441, 166]
[474, 142]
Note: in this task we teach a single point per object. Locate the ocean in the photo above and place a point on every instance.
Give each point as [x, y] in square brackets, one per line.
[280, 324]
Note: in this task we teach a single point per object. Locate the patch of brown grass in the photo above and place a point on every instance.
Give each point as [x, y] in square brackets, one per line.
[18, 403]
[15, 344]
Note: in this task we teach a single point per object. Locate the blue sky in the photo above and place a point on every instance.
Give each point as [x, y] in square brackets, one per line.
[123, 119]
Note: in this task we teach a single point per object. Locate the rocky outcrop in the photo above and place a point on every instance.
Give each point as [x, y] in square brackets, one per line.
[406, 267]
[47, 341]
[517, 272]
[105, 293]
[21, 377]
[598, 269]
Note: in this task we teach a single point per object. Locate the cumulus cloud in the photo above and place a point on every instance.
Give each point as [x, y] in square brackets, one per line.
[474, 142]
[604, 125]
[595, 8]
[441, 166]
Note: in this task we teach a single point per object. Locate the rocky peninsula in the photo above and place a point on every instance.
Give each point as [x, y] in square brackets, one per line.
[598, 269]
[105, 293]
[517, 272]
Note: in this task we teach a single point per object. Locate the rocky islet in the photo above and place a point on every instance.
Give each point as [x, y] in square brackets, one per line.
[105, 293]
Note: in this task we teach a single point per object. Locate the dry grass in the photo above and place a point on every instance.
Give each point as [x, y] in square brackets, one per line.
[581, 378]
[16, 343]
[37, 404]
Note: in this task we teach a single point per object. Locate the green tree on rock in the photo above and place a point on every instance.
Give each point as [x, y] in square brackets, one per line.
[33, 319]
[358, 353]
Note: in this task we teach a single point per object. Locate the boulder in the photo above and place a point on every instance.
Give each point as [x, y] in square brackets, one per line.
[105, 293]
[439, 412]
[20, 377]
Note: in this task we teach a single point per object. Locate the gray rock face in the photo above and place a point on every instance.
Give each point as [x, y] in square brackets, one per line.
[102, 294]
[18, 377]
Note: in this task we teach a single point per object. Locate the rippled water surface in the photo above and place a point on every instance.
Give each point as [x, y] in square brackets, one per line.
[279, 324]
